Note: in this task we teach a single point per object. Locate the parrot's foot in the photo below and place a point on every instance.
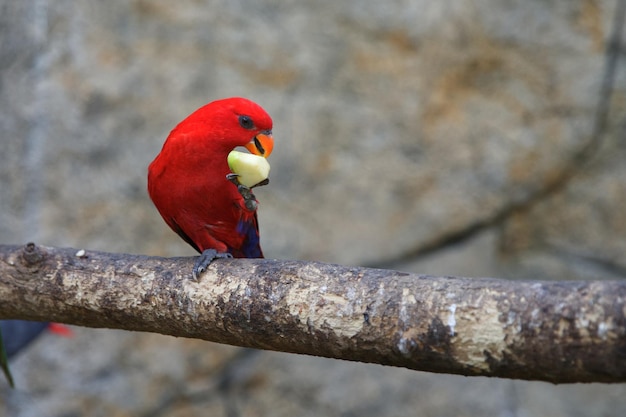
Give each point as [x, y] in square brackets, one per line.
[246, 192]
[232, 177]
[262, 183]
[205, 259]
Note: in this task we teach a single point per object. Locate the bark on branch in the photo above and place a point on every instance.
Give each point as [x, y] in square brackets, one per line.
[560, 332]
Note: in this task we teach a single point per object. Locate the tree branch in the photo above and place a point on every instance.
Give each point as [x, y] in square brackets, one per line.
[561, 331]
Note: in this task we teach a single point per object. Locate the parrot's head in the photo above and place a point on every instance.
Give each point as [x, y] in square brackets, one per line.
[234, 122]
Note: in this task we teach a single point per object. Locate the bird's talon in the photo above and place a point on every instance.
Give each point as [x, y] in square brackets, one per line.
[205, 259]
[234, 178]
[262, 183]
[245, 191]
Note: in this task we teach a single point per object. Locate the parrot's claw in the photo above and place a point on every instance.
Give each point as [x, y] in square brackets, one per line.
[246, 192]
[205, 259]
[264, 182]
[232, 177]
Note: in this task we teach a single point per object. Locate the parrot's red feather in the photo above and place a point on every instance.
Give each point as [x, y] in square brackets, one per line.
[187, 180]
[60, 329]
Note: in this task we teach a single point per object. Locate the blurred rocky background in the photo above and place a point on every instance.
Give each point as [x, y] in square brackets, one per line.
[474, 138]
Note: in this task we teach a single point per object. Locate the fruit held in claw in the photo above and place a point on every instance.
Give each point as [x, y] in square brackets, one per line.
[251, 169]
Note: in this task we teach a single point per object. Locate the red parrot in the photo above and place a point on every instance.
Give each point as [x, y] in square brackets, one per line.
[191, 185]
[15, 335]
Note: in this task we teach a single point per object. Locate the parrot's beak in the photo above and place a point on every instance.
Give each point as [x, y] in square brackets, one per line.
[262, 144]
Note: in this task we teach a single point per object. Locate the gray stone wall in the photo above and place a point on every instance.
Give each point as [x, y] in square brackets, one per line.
[454, 137]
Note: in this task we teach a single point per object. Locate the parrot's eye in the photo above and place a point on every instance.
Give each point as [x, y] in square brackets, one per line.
[246, 122]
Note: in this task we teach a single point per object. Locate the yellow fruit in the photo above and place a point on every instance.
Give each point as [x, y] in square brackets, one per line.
[252, 169]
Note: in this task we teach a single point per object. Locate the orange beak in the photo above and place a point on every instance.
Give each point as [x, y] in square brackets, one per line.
[261, 145]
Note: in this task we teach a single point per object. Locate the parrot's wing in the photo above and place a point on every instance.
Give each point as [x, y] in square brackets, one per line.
[180, 232]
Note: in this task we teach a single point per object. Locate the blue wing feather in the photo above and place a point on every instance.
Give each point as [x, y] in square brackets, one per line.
[251, 247]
